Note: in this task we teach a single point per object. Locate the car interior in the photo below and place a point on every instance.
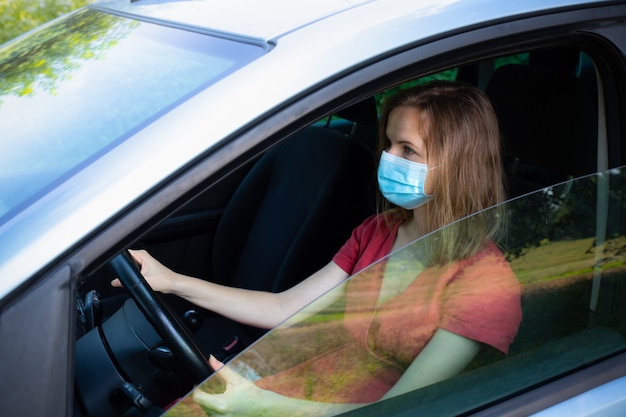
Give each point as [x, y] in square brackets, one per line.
[283, 214]
[553, 111]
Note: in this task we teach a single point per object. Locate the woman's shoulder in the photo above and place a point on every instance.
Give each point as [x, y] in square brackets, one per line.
[490, 256]
[384, 222]
[491, 248]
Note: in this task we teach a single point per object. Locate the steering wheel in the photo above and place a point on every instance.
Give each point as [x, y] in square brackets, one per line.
[175, 335]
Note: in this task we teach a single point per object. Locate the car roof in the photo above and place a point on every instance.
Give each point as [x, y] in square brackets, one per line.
[269, 20]
[256, 21]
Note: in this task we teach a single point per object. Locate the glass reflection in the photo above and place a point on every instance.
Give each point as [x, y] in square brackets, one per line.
[566, 245]
[42, 61]
[77, 88]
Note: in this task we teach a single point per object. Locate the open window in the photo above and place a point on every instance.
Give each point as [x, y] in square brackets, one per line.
[546, 101]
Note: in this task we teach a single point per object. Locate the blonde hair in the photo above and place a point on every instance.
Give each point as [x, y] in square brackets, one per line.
[460, 129]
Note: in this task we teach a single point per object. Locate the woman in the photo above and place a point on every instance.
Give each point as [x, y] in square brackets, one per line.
[440, 163]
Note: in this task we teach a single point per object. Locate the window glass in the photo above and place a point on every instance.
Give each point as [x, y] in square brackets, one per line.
[565, 246]
[80, 86]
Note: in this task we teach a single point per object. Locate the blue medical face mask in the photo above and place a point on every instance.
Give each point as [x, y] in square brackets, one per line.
[402, 181]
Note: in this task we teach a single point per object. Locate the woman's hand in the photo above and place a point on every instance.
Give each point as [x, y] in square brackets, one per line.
[156, 274]
[241, 397]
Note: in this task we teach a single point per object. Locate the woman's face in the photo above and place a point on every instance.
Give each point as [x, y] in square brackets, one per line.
[406, 141]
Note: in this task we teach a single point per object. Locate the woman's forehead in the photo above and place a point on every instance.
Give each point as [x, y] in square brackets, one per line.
[405, 124]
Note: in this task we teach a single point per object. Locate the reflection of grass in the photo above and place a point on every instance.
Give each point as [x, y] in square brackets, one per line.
[554, 260]
[325, 318]
[557, 284]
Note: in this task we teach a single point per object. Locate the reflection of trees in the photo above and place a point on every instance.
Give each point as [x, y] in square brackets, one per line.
[19, 16]
[563, 212]
[41, 60]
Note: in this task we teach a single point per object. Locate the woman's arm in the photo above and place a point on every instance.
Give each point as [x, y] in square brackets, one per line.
[242, 398]
[445, 356]
[256, 308]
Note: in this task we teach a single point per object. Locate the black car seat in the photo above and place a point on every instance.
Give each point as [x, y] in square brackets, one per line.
[359, 121]
[547, 118]
[287, 219]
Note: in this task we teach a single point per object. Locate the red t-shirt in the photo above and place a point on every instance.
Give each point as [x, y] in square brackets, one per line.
[478, 298]
[370, 242]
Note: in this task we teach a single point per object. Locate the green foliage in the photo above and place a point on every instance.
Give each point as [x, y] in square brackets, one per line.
[20, 16]
[444, 75]
[42, 60]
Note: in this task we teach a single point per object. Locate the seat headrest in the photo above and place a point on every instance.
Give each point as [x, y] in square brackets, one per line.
[562, 59]
[364, 112]
[546, 118]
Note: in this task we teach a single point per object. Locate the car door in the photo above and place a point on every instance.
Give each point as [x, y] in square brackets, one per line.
[554, 102]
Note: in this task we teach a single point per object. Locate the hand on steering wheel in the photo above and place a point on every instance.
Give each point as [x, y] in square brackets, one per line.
[175, 335]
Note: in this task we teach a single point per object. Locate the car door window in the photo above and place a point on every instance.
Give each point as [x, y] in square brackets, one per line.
[568, 254]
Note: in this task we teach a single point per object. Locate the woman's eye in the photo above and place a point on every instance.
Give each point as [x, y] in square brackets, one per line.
[408, 151]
